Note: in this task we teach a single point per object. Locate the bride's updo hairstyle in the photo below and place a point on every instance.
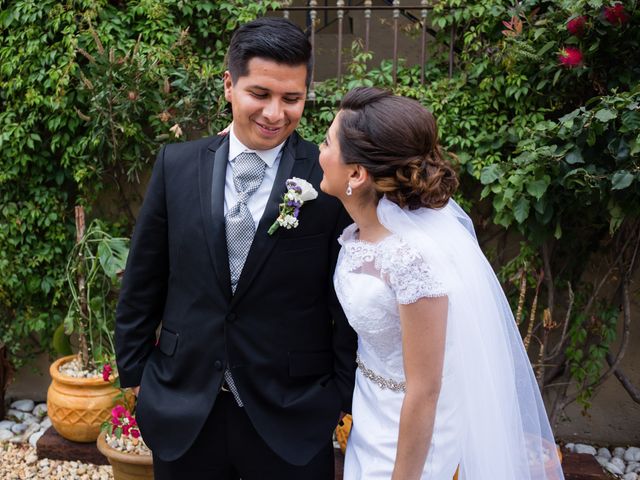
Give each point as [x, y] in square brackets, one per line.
[396, 140]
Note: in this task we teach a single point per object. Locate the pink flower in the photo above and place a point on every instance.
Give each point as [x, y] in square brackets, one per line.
[118, 411]
[616, 15]
[570, 57]
[135, 433]
[576, 25]
[125, 429]
[106, 371]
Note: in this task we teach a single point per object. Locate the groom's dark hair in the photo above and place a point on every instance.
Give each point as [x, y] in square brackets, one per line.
[275, 39]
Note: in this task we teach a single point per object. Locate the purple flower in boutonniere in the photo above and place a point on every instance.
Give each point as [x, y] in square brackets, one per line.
[298, 192]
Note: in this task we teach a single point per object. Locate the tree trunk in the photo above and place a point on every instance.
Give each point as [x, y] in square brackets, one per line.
[5, 376]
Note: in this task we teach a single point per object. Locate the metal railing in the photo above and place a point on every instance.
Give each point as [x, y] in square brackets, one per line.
[367, 8]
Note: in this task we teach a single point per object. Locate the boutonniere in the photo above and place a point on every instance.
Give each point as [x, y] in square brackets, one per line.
[298, 192]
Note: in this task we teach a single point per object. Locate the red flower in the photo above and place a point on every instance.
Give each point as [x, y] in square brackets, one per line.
[616, 14]
[135, 433]
[576, 25]
[106, 371]
[570, 57]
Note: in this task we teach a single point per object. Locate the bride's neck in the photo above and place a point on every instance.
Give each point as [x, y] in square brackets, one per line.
[369, 227]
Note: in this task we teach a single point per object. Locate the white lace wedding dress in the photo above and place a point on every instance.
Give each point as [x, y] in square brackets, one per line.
[371, 280]
[490, 419]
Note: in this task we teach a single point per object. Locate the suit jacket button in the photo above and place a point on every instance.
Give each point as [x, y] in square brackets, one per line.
[218, 365]
[232, 317]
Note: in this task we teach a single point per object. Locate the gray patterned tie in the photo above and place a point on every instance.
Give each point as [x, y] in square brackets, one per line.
[248, 172]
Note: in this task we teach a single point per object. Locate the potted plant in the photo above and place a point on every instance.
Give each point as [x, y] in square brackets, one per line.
[78, 399]
[120, 441]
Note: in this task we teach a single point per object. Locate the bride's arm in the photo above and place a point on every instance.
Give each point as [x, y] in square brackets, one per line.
[423, 340]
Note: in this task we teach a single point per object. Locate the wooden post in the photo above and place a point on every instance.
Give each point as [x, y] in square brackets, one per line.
[5, 377]
[82, 291]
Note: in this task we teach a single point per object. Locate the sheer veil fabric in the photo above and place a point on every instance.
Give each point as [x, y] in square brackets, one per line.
[507, 433]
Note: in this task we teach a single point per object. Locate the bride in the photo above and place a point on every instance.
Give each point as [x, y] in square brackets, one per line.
[443, 380]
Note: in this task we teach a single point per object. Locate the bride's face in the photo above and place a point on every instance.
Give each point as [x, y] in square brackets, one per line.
[336, 172]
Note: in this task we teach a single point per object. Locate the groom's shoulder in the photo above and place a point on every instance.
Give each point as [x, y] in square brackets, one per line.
[304, 148]
[192, 146]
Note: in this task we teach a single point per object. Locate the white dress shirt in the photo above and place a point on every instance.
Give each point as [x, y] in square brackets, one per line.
[258, 201]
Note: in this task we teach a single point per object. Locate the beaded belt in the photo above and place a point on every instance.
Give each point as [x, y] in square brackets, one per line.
[379, 380]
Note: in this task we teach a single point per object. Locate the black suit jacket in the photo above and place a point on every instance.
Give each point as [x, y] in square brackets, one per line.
[282, 334]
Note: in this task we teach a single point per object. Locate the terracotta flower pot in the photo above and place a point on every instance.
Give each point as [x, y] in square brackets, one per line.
[126, 466]
[78, 406]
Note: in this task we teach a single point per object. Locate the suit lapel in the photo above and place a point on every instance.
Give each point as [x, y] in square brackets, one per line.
[292, 164]
[212, 171]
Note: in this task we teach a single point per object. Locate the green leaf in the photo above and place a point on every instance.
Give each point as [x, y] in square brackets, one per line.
[537, 188]
[574, 156]
[621, 180]
[521, 209]
[605, 115]
[490, 174]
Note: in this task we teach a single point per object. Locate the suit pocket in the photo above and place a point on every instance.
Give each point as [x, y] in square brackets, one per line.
[168, 342]
[302, 364]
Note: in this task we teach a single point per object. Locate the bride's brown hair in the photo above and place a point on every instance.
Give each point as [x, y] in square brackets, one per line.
[396, 140]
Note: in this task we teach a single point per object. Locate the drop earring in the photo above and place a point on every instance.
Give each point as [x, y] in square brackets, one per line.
[349, 190]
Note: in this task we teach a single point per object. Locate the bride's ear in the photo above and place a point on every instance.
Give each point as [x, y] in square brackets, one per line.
[359, 176]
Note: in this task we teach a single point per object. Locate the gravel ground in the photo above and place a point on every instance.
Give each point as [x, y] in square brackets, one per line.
[19, 462]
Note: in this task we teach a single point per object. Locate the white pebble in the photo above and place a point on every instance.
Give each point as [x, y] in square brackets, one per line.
[46, 423]
[631, 467]
[602, 460]
[613, 469]
[632, 454]
[40, 410]
[582, 448]
[23, 405]
[618, 462]
[34, 437]
[619, 452]
[604, 453]
[6, 424]
[19, 428]
[6, 434]
[630, 476]
[570, 447]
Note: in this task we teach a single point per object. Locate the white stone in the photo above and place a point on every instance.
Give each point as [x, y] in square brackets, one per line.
[618, 462]
[23, 405]
[19, 428]
[631, 467]
[582, 448]
[569, 447]
[630, 476]
[46, 423]
[613, 469]
[5, 435]
[604, 453]
[34, 437]
[40, 410]
[632, 454]
[619, 452]
[6, 424]
[601, 460]
[29, 419]
[13, 414]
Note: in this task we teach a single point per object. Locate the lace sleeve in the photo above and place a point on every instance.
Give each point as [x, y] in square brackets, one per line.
[410, 276]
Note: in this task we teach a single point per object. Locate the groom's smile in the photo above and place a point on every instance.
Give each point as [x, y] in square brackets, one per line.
[267, 102]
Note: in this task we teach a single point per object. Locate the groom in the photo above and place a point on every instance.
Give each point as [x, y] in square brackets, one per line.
[254, 360]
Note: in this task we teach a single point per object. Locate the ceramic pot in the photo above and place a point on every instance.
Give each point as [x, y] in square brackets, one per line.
[126, 466]
[77, 407]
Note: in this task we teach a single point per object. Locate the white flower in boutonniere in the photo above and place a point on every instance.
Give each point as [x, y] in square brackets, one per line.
[299, 191]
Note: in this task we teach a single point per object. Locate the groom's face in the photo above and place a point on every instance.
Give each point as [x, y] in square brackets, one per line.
[267, 103]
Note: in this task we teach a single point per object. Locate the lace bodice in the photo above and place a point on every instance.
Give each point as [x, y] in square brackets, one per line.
[371, 280]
